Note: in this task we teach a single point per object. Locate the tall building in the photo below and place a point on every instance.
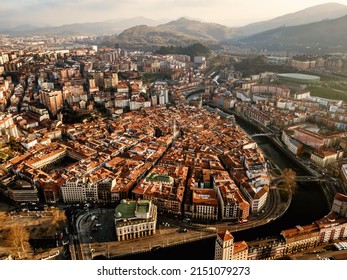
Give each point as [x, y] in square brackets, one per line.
[53, 100]
[114, 79]
[224, 246]
[227, 249]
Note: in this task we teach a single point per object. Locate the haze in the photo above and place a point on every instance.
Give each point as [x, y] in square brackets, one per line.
[226, 12]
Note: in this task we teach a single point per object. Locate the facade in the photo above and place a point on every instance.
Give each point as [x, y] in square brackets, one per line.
[293, 145]
[135, 219]
[233, 205]
[324, 158]
[343, 174]
[279, 91]
[79, 190]
[256, 196]
[204, 205]
[224, 248]
[52, 99]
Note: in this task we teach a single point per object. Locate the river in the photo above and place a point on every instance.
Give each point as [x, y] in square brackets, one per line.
[308, 204]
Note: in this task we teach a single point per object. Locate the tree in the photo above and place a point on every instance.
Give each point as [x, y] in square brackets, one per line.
[289, 179]
[59, 218]
[18, 237]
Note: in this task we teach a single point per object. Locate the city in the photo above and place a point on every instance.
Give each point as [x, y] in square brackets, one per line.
[111, 150]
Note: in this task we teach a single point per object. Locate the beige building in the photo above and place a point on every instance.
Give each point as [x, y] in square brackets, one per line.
[52, 99]
[227, 249]
[135, 219]
[324, 158]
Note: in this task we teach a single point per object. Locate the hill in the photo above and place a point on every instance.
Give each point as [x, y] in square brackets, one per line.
[194, 28]
[309, 15]
[181, 32]
[114, 26]
[325, 36]
[192, 50]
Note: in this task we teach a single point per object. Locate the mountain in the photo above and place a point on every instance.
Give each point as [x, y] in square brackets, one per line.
[114, 26]
[327, 35]
[178, 32]
[195, 28]
[309, 15]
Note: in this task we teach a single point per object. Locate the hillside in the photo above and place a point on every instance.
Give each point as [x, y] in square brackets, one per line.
[181, 32]
[194, 28]
[309, 15]
[192, 50]
[143, 35]
[114, 26]
[327, 36]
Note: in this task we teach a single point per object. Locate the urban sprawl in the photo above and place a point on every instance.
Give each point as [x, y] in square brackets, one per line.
[86, 126]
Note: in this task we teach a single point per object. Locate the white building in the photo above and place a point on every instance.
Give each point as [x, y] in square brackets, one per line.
[256, 196]
[79, 190]
[325, 158]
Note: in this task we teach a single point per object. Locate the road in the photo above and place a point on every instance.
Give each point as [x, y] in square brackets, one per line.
[103, 241]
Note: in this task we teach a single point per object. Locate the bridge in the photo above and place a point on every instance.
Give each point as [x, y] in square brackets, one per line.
[262, 134]
[301, 179]
[310, 179]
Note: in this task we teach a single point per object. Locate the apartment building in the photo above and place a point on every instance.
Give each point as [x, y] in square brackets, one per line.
[52, 99]
[227, 249]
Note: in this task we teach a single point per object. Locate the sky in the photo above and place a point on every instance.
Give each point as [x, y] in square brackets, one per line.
[227, 12]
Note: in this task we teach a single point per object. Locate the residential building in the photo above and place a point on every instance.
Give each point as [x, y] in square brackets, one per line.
[324, 158]
[227, 249]
[224, 246]
[53, 100]
[79, 190]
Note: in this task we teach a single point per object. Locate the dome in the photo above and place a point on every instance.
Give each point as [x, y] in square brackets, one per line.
[118, 215]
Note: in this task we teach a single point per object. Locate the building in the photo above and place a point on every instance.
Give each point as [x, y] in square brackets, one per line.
[256, 196]
[204, 204]
[135, 219]
[293, 145]
[224, 246]
[310, 138]
[324, 158]
[79, 190]
[340, 205]
[23, 191]
[233, 205]
[165, 186]
[53, 100]
[227, 249]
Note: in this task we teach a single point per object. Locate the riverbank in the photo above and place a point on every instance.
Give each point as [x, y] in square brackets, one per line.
[327, 187]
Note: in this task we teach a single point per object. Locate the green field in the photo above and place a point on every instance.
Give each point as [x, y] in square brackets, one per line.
[329, 93]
